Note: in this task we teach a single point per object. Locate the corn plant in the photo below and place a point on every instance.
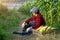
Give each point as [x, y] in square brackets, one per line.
[50, 9]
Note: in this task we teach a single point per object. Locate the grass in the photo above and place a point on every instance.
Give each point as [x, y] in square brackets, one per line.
[8, 23]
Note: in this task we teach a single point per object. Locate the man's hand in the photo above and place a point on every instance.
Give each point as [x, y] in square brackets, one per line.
[28, 29]
[23, 24]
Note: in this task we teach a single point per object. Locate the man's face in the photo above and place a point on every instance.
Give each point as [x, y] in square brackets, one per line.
[33, 13]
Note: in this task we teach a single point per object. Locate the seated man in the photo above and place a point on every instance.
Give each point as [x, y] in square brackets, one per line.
[34, 22]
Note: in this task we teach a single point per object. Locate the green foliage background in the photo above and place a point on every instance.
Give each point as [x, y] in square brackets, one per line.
[8, 23]
[50, 9]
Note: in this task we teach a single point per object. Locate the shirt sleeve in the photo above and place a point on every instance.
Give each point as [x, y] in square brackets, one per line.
[37, 23]
[30, 19]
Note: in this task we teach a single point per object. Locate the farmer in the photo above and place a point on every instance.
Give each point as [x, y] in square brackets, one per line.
[34, 22]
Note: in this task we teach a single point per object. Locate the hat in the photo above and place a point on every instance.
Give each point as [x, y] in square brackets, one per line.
[34, 9]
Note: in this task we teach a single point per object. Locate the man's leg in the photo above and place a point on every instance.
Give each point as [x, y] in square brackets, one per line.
[26, 28]
[30, 24]
[23, 31]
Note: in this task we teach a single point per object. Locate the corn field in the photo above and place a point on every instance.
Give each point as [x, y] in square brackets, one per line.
[50, 9]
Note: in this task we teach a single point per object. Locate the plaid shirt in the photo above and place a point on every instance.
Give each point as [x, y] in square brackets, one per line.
[38, 21]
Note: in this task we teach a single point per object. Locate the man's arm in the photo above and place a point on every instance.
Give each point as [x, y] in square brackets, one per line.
[30, 19]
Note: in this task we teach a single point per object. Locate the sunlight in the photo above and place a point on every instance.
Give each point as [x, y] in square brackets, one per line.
[0, 1]
[3, 3]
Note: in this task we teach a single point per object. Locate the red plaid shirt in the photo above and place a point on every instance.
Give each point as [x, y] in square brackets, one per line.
[38, 21]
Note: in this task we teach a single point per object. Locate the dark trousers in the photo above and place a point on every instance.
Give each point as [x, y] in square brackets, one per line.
[30, 24]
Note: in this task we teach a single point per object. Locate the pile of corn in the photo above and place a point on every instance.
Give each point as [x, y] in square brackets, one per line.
[45, 28]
